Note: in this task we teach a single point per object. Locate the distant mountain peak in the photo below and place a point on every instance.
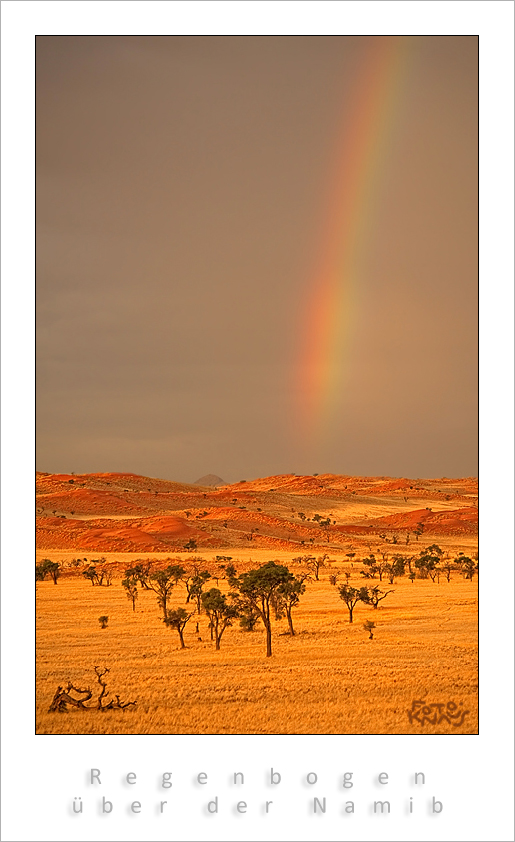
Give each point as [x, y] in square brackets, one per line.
[210, 480]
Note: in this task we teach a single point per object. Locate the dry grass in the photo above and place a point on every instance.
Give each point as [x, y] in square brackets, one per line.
[329, 678]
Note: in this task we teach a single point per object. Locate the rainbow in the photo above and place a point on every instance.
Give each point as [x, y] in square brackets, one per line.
[362, 149]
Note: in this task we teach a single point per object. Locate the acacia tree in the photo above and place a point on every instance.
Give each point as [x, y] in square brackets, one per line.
[259, 589]
[468, 568]
[396, 568]
[177, 618]
[48, 567]
[53, 568]
[288, 596]
[220, 612]
[316, 564]
[130, 583]
[248, 617]
[369, 626]
[429, 561]
[383, 566]
[140, 573]
[407, 560]
[195, 585]
[247, 613]
[312, 563]
[220, 559]
[162, 582]
[374, 596]
[91, 574]
[447, 568]
[105, 576]
[371, 565]
[351, 597]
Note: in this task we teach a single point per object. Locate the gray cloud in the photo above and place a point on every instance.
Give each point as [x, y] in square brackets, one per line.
[181, 192]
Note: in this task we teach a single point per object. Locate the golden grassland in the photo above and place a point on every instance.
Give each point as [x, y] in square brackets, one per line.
[327, 679]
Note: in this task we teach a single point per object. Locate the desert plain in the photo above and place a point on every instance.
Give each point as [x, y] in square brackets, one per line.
[330, 677]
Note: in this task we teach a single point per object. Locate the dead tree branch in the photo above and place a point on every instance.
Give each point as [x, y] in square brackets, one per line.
[64, 700]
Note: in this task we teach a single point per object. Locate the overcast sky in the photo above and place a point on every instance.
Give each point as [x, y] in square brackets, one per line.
[182, 188]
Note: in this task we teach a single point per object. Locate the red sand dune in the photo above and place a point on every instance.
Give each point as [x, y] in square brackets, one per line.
[125, 512]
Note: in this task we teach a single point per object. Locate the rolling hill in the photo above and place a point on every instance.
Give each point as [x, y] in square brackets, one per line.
[118, 512]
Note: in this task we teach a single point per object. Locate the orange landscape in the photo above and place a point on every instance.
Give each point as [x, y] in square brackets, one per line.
[330, 676]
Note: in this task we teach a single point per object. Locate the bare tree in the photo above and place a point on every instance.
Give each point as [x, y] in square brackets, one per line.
[63, 698]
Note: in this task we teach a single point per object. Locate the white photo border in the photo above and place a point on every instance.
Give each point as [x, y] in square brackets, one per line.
[471, 775]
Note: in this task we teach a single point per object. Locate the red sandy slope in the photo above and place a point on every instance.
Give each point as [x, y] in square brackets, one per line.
[128, 513]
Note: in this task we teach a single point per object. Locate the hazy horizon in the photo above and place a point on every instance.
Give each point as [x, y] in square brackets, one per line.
[251, 479]
[257, 255]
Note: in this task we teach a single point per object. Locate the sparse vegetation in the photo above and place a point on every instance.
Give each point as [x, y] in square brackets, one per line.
[323, 672]
[173, 688]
